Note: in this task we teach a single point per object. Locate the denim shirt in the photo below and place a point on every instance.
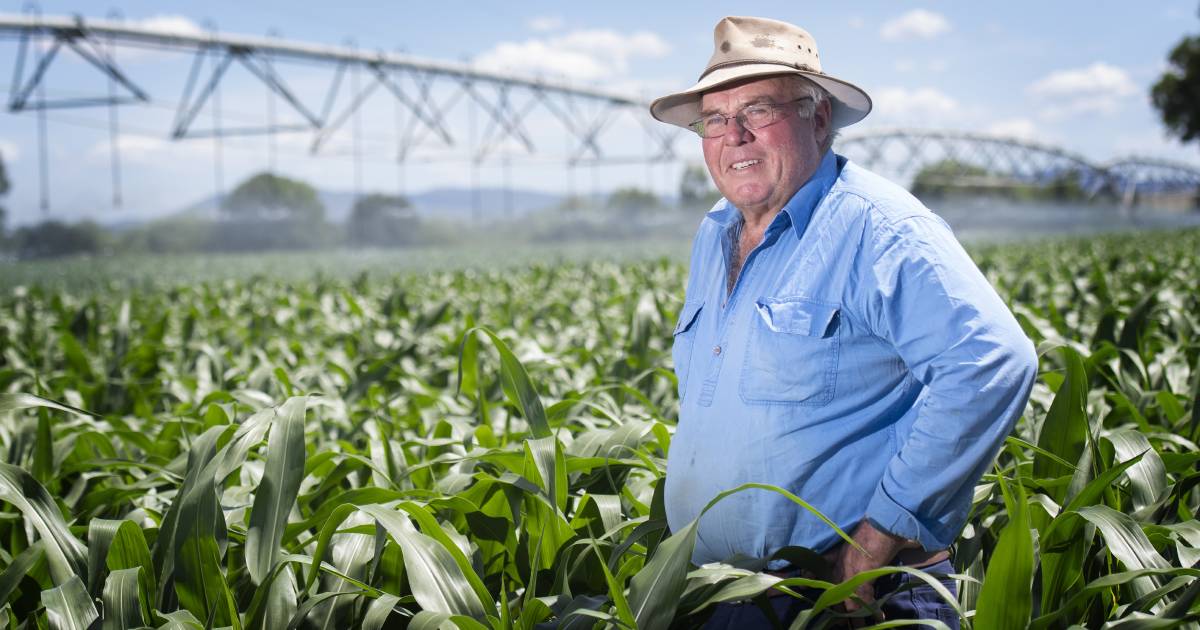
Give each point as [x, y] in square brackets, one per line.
[861, 361]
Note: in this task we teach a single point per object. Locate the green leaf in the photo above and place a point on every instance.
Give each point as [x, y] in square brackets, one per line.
[1006, 600]
[68, 606]
[615, 589]
[437, 582]
[1147, 478]
[10, 402]
[430, 620]
[379, 611]
[841, 592]
[742, 588]
[168, 543]
[282, 598]
[201, 584]
[1065, 429]
[128, 550]
[17, 569]
[1126, 541]
[1065, 526]
[518, 388]
[1124, 538]
[66, 555]
[654, 591]
[125, 604]
[276, 493]
[180, 620]
[43, 449]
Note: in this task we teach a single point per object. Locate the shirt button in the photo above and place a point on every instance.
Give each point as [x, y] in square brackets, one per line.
[716, 350]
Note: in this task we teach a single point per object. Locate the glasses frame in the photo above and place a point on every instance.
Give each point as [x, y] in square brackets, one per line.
[697, 125]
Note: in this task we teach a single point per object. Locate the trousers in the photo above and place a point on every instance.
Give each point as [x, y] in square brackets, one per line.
[918, 602]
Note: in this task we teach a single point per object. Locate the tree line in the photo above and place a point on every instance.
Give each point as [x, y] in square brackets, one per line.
[269, 211]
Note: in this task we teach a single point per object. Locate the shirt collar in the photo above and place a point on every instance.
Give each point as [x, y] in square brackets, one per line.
[800, 207]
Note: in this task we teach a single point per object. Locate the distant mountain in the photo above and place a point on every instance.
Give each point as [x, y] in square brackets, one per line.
[440, 203]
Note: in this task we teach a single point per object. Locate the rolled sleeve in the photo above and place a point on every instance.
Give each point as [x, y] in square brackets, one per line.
[962, 343]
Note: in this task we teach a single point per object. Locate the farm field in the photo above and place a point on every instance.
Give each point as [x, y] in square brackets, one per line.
[482, 447]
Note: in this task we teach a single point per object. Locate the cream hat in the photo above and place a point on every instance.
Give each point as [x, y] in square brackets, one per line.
[749, 47]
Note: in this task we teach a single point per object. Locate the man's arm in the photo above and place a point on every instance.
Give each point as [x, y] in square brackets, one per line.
[880, 549]
[958, 338]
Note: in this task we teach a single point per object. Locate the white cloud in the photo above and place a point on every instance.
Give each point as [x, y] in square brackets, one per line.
[9, 151]
[1021, 128]
[856, 21]
[916, 24]
[1098, 78]
[925, 106]
[545, 23]
[933, 66]
[1154, 145]
[1099, 88]
[149, 149]
[581, 55]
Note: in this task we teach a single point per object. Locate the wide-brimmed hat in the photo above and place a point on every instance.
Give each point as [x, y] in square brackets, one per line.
[746, 47]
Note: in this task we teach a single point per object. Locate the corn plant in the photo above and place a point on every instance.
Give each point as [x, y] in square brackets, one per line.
[483, 448]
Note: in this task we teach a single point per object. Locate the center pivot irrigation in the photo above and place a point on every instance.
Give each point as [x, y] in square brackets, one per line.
[427, 93]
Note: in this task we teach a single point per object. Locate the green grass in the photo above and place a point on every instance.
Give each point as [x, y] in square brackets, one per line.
[320, 443]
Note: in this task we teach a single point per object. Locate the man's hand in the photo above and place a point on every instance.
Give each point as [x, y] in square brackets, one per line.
[880, 546]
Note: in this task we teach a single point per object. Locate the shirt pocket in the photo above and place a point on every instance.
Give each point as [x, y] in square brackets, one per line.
[792, 354]
[685, 338]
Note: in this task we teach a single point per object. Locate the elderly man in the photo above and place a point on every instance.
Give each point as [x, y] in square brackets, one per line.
[835, 339]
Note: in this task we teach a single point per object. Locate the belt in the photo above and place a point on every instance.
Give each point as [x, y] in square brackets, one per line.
[915, 558]
[919, 558]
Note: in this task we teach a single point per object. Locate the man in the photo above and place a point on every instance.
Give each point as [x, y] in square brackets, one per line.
[835, 338]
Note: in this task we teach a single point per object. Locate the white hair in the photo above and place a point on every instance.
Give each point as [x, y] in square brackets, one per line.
[816, 95]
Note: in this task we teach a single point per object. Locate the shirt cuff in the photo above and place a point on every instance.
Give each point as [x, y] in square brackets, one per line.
[888, 516]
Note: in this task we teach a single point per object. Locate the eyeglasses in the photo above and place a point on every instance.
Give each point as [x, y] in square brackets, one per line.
[754, 116]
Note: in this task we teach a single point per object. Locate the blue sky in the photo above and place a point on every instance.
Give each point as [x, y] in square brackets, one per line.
[1071, 74]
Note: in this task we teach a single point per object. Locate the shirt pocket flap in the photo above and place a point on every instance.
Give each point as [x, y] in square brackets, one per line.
[688, 316]
[797, 316]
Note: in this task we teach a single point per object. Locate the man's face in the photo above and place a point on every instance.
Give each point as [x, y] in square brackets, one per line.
[772, 162]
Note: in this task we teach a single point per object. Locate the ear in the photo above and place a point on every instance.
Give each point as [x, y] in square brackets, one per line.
[823, 121]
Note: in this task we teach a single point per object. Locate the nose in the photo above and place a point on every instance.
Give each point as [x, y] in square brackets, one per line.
[736, 133]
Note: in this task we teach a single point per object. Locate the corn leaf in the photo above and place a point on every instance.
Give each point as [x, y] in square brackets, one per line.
[66, 555]
[276, 494]
[68, 606]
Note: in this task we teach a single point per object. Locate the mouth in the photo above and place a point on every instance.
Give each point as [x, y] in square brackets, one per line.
[744, 164]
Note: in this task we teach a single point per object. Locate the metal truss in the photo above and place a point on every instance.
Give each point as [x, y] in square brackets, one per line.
[982, 160]
[506, 99]
[425, 91]
[79, 38]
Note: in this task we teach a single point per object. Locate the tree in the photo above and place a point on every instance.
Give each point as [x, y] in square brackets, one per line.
[938, 178]
[271, 197]
[268, 211]
[54, 238]
[695, 188]
[382, 220]
[1176, 95]
[631, 200]
[4, 186]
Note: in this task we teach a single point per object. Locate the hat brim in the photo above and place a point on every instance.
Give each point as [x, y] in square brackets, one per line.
[850, 104]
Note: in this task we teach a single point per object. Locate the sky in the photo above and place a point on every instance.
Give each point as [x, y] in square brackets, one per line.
[1072, 74]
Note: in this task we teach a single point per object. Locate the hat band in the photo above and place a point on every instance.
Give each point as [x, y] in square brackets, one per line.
[739, 62]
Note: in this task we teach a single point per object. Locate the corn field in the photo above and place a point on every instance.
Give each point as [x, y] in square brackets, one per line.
[484, 449]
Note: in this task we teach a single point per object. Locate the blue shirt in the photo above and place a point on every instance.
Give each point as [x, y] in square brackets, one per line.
[861, 361]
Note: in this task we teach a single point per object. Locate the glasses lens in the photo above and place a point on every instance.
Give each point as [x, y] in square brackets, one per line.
[756, 116]
[710, 127]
